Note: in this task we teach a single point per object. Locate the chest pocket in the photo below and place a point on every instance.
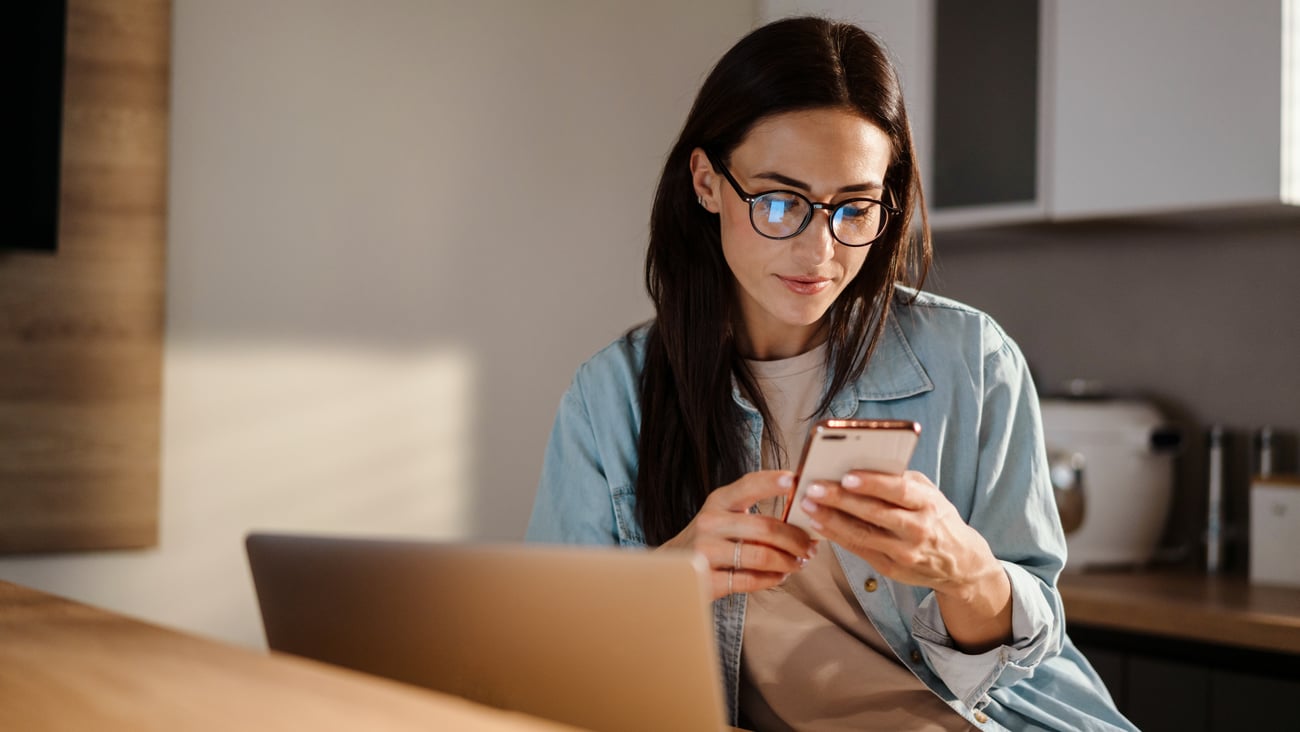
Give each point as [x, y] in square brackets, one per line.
[629, 528]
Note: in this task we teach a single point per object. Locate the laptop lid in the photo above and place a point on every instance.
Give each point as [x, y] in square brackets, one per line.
[602, 638]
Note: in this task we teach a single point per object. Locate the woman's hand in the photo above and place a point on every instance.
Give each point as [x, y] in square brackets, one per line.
[909, 531]
[747, 552]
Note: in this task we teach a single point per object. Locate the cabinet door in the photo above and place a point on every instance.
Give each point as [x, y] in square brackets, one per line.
[985, 104]
[1162, 104]
[1110, 665]
[1249, 701]
[981, 163]
[1166, 696]
[906, 27]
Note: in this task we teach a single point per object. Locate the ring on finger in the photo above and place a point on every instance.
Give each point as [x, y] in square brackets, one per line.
[735, 562]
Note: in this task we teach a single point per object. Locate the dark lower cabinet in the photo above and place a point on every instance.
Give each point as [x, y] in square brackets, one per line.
[1248, 701]
[1182, 686]
[1111, 667]
[1166, 696]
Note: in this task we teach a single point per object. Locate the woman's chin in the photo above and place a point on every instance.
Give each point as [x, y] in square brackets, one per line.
[803, 319]
[809, 314]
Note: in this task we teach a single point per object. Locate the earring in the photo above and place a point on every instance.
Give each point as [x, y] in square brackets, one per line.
[700, 199]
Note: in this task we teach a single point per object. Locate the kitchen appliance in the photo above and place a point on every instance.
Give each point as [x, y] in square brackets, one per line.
[1112, 470]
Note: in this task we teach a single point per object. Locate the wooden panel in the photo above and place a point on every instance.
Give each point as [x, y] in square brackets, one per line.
[81, 330]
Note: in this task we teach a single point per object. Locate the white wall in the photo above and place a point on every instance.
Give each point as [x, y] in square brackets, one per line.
[396, 227]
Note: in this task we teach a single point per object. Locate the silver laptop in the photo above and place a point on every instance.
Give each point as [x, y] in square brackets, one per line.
[605, 639]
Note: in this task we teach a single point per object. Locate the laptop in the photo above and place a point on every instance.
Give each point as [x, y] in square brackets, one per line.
[600, 638]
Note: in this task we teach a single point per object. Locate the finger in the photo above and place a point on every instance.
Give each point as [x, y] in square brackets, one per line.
[763, 558]
[715, 524]
[773, 532]
[725, 581]
[868, 509]
[864, 538]
[757, 554]
[904, 490]
[752, 488]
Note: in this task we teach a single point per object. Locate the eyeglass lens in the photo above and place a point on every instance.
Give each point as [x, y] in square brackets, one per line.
[782, 214]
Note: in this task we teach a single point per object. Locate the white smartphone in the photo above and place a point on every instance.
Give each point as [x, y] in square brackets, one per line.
[837, 446]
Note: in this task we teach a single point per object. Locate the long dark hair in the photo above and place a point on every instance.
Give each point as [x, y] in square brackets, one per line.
[691, 438]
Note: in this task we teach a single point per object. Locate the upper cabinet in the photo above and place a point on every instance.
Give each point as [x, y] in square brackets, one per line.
[1163, 104]
[1042, 109]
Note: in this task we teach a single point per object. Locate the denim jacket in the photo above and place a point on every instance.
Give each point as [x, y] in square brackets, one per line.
[953, 370]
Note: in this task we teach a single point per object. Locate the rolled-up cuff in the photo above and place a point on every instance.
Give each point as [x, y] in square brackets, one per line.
[1035, 631]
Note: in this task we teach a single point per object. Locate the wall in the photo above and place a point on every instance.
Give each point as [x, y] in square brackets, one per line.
[1198, 312]
[395, 230]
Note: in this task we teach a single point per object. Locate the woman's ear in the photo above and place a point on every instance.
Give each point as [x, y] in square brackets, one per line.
[705, 181]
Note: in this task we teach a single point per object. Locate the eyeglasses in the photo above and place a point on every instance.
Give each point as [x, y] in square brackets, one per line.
[785, 214]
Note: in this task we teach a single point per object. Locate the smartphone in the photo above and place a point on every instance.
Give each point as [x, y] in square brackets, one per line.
[837, 446]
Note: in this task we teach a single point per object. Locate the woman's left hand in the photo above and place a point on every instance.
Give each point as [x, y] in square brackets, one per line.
[910, 532]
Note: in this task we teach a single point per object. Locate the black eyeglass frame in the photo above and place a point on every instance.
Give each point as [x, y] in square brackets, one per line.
[813, 207]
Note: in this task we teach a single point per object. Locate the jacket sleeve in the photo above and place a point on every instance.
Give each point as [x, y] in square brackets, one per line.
[573, 504]
[1015, 511]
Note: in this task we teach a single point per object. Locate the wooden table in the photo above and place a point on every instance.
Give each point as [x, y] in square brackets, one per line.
[68, 666]
[1224, 610]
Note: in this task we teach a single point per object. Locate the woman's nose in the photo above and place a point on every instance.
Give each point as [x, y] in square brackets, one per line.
[815, 244]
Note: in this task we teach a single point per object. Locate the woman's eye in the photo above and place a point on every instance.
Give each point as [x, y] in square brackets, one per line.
[776, 206]
[858, 214]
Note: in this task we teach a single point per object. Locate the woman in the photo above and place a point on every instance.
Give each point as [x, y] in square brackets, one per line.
[780, 232]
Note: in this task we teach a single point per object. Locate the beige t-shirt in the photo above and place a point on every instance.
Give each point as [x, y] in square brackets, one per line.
[811, 658]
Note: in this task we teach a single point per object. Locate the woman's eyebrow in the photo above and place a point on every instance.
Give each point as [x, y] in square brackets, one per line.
[786, 180]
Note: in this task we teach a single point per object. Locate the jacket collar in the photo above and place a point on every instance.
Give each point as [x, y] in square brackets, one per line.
[894, 372]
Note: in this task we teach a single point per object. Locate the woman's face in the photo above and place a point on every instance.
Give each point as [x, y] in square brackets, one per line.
[786, 286]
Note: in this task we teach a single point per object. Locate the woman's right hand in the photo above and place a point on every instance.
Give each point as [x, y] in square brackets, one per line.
[769, 548]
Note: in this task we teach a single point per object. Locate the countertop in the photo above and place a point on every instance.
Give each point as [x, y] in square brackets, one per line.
[69, 666]
[1225, 610]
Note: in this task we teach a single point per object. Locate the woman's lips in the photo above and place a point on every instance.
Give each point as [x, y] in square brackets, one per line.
[805, 285]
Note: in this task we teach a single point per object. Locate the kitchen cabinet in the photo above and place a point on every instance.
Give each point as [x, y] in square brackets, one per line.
[1183, 651]
[1164, 695]
[1049, 110]
[1164, 104]
[1193, 687]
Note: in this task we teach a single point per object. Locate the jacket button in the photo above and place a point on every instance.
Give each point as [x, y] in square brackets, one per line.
[870, 585]
[981, 717]
[916, 656]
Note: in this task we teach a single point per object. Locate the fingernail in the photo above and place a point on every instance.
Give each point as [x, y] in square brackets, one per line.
[785, 481]
[803, 562]
[784, 577]
[808, 506]
[815, 524]
[817, 490]
[812, 551]
[850, 481]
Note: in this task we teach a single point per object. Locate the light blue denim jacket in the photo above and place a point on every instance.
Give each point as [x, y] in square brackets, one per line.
[953, 370]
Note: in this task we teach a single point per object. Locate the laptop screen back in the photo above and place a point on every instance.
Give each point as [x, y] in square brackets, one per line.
[606, 639]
